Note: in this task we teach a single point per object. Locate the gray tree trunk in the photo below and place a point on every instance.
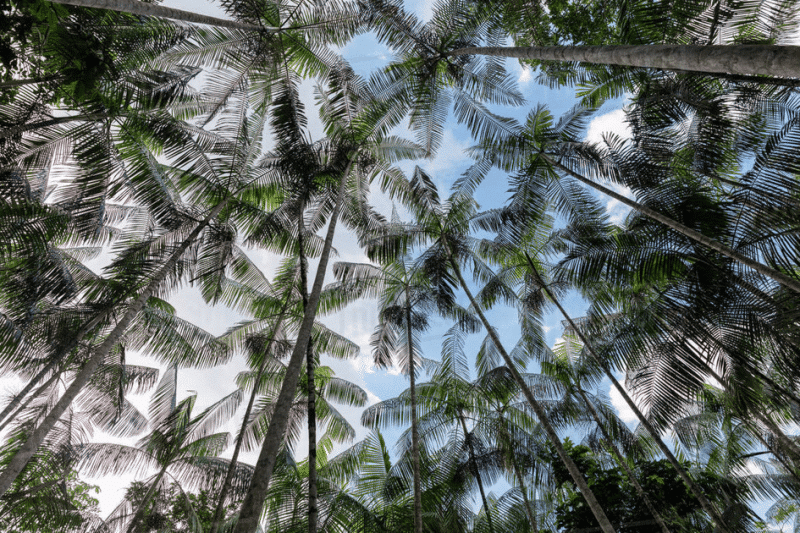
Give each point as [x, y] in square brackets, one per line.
[29, 447]
[715, 245]
[136, 7]
[476, 472]
[219, 512]
[740, 59]
[254, 500]
[412, 371]
[572, 468]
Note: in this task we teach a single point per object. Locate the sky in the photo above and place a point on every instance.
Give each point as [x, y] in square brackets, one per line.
[358, 321]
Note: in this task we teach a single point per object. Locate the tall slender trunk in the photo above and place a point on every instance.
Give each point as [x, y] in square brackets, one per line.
[254, 501]
[707, 506]
[744, 60]
[412, 371]
[12, 405]
[623, 463]
[572, 468]
[219, 512]
[29, 447]
[136, 7]
[698, 237]
[474, 463]
[29, 81]
[313, 511]
[142, 509]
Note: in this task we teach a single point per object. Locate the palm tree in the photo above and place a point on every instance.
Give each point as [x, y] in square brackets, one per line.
[179, 445]
[222, 178]
[405, 299]
[358, 144]
[447, 225]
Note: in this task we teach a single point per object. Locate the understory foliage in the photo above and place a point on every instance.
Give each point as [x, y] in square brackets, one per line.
[145, 159]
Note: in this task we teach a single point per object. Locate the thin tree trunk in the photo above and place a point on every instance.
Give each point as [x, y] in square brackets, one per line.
[572, 468]
[707, 506]
[476, 472]
[29, 447]
[698, 237]
[219, 512]
[412, 371]
[254, 501]
[742, 60]
[621, 460]
[313, 511]
[136, 7]
[140, 512]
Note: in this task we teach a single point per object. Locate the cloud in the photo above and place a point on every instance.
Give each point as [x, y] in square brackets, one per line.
[613, 122]
[526, 75]
[625, 413]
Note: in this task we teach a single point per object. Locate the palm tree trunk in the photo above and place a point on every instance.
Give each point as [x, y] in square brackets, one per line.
[476, 472]
[572, 468]
[313, 511]
[30, 81]
[136, 7]
[707, 506]
[140, 511]
[219, 512]
[29, 447]
[254, 500]
[698, 237]
[621, 460]
[412, 371]
[743, 60]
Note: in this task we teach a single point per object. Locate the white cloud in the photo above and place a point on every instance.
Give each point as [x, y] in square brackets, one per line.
[546, 329]
[625, 413]
[613, 122]
[616, 210]
[526, 75]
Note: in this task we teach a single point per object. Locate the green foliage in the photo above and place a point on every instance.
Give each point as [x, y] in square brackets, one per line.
[680, 510]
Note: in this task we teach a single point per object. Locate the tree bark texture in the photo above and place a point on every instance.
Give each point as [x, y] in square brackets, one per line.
[412, 376]
[740, 59]
[135, 7]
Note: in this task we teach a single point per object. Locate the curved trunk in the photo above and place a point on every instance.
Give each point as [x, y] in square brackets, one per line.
[707, 506]
[254, 501]
[219, 512]
[139, 515]
[136, 7]
[689, 233]
[741, 60]
[29, 447]
[572, 468]
[621, 460]
[476, 472]
[414, 429]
